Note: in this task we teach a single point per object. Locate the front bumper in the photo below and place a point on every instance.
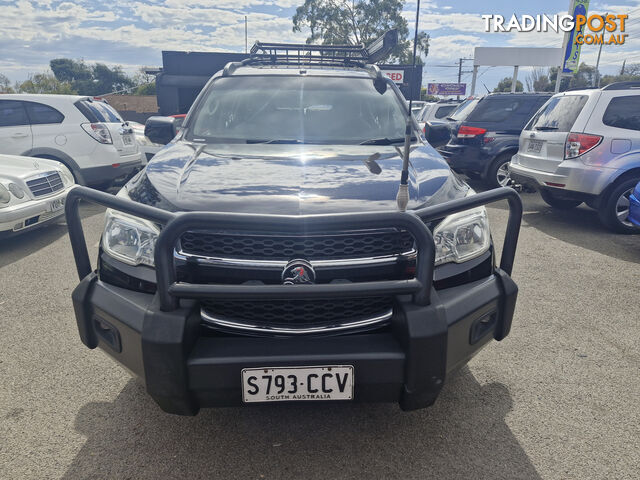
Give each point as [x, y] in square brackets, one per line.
[159, 336]
[32, 213]
[184, 370]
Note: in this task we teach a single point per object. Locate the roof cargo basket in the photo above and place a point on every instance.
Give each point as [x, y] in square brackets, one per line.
[324, 55]
[622, 86]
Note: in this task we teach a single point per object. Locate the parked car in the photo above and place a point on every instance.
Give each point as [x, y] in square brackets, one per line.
[436, 111]
[634, 206]
[584, 146]
[88, 136]
[417, 106]
[146, 146]
[485, 141]
[261, 255]
[32, 192]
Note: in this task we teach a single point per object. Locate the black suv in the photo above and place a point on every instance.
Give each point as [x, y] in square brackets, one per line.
[482, 145]
[261, 255]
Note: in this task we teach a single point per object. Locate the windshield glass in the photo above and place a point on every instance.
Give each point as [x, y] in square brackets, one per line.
[558, 114]
[464, 109]
[103, 111]
[277, 109]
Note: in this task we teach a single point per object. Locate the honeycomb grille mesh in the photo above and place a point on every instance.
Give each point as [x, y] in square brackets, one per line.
[324, 247]
[298, 313]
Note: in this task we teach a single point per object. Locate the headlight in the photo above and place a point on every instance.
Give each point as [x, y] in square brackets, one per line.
[462, 236]
[129, 239]
[4, 195]
[16, 190]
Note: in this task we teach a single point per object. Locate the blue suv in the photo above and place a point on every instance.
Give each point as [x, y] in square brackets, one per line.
[482, 145]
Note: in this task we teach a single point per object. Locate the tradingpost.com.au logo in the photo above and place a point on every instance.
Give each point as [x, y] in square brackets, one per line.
[602, 29]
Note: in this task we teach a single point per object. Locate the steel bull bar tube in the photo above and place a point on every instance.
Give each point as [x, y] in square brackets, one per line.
[169, 291]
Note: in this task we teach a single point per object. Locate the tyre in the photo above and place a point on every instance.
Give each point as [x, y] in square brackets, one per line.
[554, 201]
[498, 173]
[614, 207]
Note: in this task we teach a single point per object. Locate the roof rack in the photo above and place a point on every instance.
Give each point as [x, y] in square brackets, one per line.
[301, 54]
[622, 85]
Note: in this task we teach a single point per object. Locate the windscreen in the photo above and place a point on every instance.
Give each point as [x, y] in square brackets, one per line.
[558, 114]
[300, 109]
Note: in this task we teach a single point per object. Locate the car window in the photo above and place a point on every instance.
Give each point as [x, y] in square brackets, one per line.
[623, 112]
[96, 111]
[464, 109]
[443, 112]
[559, 114]
[12, 113]
[41, 114]
[297, 109]
[499, 109]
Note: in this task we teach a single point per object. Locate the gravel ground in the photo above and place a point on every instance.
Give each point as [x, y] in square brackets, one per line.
[558, 399]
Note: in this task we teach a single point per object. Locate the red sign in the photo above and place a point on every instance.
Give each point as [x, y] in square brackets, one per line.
[397, 76]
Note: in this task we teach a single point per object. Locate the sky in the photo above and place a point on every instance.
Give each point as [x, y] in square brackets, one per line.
[132, 33]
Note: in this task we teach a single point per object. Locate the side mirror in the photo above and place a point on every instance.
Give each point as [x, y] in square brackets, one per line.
[160, 129]
[437, 134]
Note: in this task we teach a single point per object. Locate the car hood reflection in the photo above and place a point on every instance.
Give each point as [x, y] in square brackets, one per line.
[291, 179]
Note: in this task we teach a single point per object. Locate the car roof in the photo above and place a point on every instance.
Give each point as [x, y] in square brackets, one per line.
[310, 70]
[41, 96]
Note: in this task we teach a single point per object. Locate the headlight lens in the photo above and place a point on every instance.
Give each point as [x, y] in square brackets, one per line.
[129, 239]
[4, 195]
[462, 236]
[16, 190]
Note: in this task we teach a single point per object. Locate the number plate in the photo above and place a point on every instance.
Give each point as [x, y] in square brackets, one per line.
[534, 146]
[56, 205]
[334, 382]
[127, 139]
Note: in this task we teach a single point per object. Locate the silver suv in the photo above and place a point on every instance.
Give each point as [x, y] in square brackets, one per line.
[584, 146]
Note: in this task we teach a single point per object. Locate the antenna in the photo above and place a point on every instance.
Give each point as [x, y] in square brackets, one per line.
[402, 199]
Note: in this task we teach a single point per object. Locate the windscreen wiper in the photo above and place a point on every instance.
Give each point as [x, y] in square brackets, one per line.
[545, 128]
[275, 140]
[385, 141]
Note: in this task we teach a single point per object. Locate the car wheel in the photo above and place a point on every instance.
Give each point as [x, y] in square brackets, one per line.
[614, 208]
[554, 201]
[498, 172]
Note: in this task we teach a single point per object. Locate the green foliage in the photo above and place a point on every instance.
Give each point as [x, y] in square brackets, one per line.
[5, 84]
[586, 76]
[505, 85]
[45, 83]
[353, 22]
[426, 97]
[97, 79]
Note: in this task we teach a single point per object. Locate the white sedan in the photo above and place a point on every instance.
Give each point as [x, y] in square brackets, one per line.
[32, 192]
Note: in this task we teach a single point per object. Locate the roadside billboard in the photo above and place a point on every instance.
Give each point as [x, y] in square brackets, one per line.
[446, 88]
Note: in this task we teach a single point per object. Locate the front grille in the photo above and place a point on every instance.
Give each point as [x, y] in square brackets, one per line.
[286, 247]
[297, 313]
[46, 184]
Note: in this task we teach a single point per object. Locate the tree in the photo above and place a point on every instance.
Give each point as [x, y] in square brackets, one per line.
[505, 85]
[538, 81]
[97, 79]
[354, 22]
[146, 83]
[5, 84]
[45, 83]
